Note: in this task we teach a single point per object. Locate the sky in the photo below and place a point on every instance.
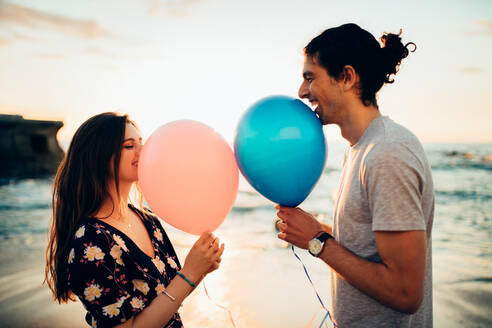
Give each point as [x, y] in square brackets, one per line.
[209, 60]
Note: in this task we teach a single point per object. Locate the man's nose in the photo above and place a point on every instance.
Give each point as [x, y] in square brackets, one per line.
[303, 90]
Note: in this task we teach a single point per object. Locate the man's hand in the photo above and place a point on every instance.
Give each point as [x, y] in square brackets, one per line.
[396, 282]
[296, 226]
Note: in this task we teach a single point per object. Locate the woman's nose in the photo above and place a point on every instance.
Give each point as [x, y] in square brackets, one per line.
[139, 146]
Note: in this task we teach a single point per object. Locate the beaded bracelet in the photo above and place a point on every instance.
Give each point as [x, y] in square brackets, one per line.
[186, 279]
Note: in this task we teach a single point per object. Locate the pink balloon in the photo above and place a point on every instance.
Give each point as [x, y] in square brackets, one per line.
[188, 176]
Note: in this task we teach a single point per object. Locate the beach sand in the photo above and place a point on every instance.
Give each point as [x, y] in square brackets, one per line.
[262, 284]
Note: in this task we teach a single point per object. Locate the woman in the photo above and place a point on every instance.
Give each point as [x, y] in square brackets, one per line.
[115, 256]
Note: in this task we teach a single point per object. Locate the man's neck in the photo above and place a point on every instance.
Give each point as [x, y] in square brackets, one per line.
[357, 119]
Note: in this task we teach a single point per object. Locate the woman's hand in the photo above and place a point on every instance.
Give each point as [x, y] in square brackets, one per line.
[203, 258]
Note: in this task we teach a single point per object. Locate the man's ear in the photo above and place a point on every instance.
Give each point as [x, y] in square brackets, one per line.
[350, 78]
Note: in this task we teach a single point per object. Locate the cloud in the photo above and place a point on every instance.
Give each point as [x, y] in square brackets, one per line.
[111, 68]
[5, 42]
[21, 36]
[93, 51]
[51, 56]
[172, 8]
[472, 70]
[34, 19]
[480, 28]
[102, 53]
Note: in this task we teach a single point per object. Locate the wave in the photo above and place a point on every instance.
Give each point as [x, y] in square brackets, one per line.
[28, 231]
[462, 165]
[463, 194]
[479, 159]
[478, 279]
[246, 209]
[17, 207]
[330, 169]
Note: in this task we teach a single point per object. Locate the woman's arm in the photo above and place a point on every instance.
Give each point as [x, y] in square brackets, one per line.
[203, 258]
[162, 308]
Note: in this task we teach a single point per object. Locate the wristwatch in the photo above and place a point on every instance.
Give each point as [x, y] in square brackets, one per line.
[317, 244]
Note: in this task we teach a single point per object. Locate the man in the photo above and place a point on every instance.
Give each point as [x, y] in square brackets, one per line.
[380, 244]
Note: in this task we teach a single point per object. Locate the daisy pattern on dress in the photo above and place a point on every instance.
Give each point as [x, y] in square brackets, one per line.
[116, 254]
[158, 234]
[113, 310]
[71, 255]
[122, 299]
[92, 292]
[93, 252]
[159, 289]
[137, 303]
[171, 262]
[159, 264]
[141, 286]
[80, 232]
[120, 242]
[113, 280]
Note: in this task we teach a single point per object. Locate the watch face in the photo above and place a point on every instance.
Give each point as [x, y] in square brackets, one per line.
[315, 246]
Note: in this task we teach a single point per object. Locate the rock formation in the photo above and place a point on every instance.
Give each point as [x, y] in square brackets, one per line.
[28, 148]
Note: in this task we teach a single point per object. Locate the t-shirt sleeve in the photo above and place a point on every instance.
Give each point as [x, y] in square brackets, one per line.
[97, 277]
[393, 179]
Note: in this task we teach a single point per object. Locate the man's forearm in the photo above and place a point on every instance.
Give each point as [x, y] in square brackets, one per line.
[327, 228]
[377, 280]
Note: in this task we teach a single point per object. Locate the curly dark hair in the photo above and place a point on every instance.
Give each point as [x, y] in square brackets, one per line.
[349, 44]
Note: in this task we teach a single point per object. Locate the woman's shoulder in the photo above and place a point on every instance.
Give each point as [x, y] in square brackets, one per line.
[143, 211]
[92, 232]
[94, 243]
[148, 215]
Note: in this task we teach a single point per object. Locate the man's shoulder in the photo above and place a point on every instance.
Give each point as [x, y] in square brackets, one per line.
[395, 143]
[396, 134]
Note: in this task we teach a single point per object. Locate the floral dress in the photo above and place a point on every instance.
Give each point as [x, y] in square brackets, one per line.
[113, 278]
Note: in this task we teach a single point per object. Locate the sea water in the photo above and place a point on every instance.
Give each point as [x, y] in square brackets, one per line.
[461, 236]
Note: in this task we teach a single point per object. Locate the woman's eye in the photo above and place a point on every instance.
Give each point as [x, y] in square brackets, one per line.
[128, 146]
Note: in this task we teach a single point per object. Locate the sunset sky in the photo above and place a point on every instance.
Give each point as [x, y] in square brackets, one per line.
[208, 60]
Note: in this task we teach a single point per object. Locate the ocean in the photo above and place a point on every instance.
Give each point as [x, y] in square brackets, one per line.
[260, 280]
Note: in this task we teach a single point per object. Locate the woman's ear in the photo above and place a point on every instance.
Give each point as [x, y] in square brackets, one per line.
[350, 78]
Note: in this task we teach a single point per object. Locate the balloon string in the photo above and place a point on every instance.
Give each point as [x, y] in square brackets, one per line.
[314, 317]
[324, 319]
[218, 305]
[311, 321]
[317, 295]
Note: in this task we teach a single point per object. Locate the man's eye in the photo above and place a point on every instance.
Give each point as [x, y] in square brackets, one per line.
[128, 146]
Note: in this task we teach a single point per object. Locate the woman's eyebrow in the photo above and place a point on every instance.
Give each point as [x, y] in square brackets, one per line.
[132, 139]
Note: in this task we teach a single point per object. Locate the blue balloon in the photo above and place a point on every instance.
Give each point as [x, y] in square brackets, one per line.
[280, 149]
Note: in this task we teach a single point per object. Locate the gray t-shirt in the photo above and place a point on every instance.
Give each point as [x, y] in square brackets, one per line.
[386, 185]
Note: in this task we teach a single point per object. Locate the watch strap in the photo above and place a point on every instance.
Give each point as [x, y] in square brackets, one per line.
[324, 236]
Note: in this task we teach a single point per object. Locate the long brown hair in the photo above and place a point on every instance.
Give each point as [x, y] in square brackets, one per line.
[80, 187]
